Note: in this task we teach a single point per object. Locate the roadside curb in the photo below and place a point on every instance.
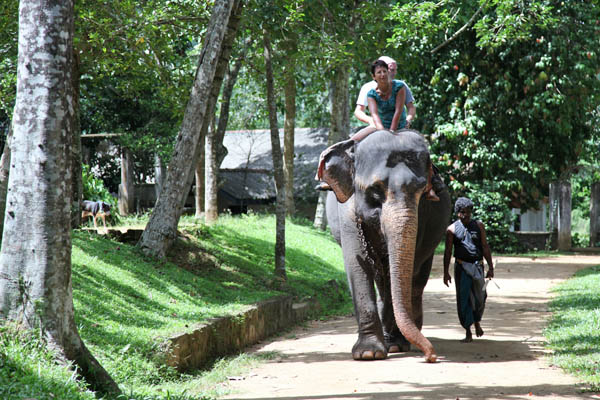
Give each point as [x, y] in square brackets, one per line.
[228, 335]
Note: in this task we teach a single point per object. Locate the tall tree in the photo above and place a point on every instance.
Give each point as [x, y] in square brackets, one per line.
[161, 230]
[217, 152]
[289, 126]
[35, 263]
[277, 163]
[212, 140]
[4, 170]
[76, 158]
[339, 128]
[341, 43]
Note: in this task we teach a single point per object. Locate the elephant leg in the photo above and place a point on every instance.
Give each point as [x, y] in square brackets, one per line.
[359, 270]
[394, 341]
[419, 281]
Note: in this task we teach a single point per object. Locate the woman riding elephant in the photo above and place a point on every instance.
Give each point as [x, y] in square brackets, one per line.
[386, 105]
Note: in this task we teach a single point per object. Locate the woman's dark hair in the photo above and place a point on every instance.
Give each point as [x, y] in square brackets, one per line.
[378, 63]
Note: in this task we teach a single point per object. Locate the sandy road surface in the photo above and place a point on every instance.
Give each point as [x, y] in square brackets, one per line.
[508, 362]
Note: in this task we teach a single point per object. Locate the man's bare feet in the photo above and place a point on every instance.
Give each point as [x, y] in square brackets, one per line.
[468, 338]
[478, 330]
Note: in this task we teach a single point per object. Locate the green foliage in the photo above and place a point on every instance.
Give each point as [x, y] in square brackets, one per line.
[137, 64]
[573, 333]
[28, 369]
[515, 87]
[93, 188]
[580, 239]
[491, 208]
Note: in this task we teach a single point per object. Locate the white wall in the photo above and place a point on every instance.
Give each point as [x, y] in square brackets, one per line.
[533, 220]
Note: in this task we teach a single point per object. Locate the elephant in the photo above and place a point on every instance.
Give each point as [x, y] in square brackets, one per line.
[388, 232]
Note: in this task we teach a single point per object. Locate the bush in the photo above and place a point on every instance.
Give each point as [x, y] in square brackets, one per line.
[94, 189]
[491, 207]
[580, 240]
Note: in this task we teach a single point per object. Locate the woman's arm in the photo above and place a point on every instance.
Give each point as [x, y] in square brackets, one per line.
[400, 98]
[374, 113]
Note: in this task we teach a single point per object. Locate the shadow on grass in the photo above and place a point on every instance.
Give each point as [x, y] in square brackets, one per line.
[125, 299]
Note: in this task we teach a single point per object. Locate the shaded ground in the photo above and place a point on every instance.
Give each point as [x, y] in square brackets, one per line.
[508, 362]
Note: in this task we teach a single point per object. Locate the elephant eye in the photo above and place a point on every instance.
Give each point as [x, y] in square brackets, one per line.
[375, 195]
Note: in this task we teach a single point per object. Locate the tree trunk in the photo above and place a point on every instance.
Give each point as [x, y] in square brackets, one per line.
[595, 214]
[35, 263]
[221, 150]
[339, 130]
[76, 159]
[560, 212]
[161, 230]
[200, 178]
[554, 192]
[277, 165]
[159, 174]
[126, 188]
[212, 140]
[215, 151]
[4, 170]
[289, 125]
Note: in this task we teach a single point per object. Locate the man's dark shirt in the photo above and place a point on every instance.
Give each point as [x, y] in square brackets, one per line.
[467, 241]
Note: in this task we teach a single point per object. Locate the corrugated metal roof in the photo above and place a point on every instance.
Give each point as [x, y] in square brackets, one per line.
[246, 172]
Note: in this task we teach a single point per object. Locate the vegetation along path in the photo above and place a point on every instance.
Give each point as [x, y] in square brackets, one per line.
[508, 362]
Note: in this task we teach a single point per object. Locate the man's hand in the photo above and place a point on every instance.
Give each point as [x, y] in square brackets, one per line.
[448, 278]
[490, 273]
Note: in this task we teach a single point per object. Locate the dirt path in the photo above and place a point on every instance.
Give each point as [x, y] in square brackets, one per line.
[508, 362]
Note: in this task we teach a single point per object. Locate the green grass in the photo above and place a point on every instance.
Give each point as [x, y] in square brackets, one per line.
[574, 330]
[28, 369]
[126, 304]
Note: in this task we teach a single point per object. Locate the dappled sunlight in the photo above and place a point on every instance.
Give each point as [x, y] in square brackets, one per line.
[508, 362]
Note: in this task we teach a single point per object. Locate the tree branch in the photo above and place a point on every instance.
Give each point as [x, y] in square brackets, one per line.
[461, 30]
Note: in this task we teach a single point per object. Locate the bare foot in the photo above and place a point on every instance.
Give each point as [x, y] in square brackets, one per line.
[468, 338]
[430, 195]
[478, 330]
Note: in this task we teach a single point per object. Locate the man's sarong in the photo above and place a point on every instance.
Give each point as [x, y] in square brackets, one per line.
[470, 292]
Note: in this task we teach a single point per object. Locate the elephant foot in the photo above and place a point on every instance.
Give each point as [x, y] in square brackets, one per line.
[369, 348]
[399, 348]
[396, 343]
[368, 355]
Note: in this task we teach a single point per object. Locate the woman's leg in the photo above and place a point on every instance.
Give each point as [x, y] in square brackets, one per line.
[363, 133]
[429, 192]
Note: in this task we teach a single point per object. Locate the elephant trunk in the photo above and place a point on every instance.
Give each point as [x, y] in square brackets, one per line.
[400, 225]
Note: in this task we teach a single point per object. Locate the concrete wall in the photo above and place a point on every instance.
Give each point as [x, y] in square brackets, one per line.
[228, 335]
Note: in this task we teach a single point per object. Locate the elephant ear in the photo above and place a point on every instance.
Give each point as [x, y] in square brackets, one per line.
[336, 168]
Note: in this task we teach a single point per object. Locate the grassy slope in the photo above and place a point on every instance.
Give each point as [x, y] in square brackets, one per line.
[574, 330]
[126, 303]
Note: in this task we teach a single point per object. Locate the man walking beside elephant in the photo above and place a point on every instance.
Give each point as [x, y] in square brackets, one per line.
[468, 238]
